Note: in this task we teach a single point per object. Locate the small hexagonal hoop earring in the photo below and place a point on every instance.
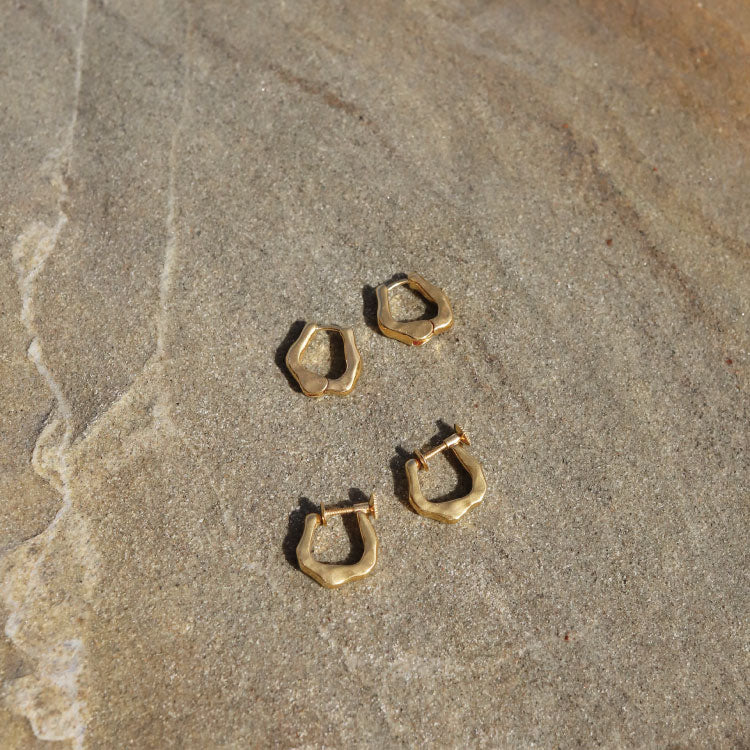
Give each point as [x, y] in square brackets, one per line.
[315, 385]
[452, 510]
[414, 332]
[332, 575]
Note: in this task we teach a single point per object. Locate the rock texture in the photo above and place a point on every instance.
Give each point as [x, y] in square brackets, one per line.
[183, 183]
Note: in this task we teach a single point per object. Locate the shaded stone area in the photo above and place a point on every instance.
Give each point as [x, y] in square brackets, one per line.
[185, 184]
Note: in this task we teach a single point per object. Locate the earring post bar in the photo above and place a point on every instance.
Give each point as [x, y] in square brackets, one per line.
[368, 507]
[459, 436]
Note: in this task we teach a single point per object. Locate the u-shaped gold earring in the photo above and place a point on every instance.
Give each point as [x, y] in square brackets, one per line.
[315, 385]
[449, 511]
[332, 575]
[414, 332]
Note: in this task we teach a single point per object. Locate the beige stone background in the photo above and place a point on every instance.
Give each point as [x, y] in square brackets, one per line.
[183, 182]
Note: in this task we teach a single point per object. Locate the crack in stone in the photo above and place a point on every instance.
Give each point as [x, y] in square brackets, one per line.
[49, 696]
[161, 410]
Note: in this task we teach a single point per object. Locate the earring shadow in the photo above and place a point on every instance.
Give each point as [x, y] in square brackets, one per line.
[463, 480]
[428, 307]
[337, 356]
[398, 470]
[370, 302]
[280, 355]
[444, 430]
[370, 307]
[295, 527]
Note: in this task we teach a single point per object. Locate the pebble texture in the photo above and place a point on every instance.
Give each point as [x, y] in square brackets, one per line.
[183, 183]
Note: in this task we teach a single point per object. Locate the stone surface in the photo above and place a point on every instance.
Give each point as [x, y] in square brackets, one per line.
[183, 183]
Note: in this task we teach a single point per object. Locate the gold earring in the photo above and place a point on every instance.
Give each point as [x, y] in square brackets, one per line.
[331, 575]
[414, 332]
[315, 385]
[451, 511]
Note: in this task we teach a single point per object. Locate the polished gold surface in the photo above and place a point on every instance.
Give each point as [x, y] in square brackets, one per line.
[414, 332]
[332, 575]
[452, 510]
[315, 385]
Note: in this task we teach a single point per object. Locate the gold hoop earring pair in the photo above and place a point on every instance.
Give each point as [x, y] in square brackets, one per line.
[332, 575]
[414, 332]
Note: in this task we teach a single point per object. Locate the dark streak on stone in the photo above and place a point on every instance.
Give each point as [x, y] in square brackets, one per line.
[314, 88]
[317, 89]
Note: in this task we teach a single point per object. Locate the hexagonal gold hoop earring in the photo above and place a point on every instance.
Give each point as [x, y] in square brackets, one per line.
[332, 575]
[450, 511]
[414, 332]
[315, 385]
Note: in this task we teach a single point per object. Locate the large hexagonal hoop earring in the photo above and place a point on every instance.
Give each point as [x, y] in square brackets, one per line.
[452, 510]
[414, 332]
[332, 575]
[315, 385]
